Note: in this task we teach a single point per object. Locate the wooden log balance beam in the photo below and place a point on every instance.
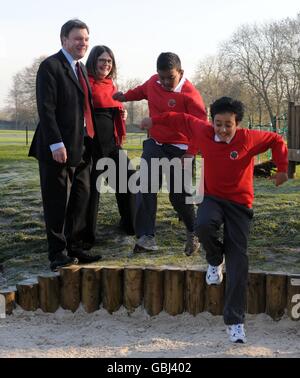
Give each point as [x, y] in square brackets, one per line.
[165, 288]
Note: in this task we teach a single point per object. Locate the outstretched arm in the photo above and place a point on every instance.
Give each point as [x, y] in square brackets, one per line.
[135, 94]
[192, 127]
[119, 96]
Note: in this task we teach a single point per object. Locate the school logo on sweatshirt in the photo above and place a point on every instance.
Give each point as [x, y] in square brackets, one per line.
[234, 155]
[172, 103]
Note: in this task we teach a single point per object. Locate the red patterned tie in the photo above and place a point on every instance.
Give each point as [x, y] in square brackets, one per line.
[87, 108]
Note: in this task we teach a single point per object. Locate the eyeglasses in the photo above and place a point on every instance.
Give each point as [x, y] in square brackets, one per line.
[108, 61]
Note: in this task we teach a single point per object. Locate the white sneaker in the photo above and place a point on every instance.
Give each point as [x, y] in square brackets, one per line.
[146, 243]
[236, 333]
[214, 275]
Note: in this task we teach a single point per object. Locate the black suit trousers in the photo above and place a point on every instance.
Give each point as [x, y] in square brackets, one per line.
[65, 195]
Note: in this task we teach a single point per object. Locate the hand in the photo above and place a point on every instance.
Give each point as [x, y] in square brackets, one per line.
[279, 178]
[119, 96]
[146, 124]
[124, 114]
[186, 160]
[60, 155]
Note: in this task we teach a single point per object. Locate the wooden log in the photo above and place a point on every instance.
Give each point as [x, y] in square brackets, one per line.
[9, 295]
[49, 292]
[28, 294]
[214, 297]
[293, 296]
[70, 287]
[256, 293]
[133, 287]
[153, 290]
[112, 288]
[91, 288]
[276, 295]
[174, 290]
[194, 291]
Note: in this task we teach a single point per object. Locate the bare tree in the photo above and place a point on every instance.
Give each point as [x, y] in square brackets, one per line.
[260, 65]
[21, 98]
[291, 52]
[213, 80]
[250, 54]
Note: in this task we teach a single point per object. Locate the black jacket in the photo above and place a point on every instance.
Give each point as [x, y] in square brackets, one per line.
[60, 102]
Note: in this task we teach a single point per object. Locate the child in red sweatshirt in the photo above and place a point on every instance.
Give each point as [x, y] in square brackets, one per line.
[166, 91]
[228, 153]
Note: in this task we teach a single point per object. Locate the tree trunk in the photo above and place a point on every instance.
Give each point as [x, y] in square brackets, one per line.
[91, 288]
[112, 288]
[70, 287]
[194, 291]
[276, 295]
[28, 294]
[293, 297]
[153, 290]
[49, 292]
[174, 290]
[256, 293]
[133, 287]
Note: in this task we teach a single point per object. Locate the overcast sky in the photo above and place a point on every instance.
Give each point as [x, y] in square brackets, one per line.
[136, 30]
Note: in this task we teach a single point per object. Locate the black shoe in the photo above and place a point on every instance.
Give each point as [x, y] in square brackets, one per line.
[84, 257]
[62, 260]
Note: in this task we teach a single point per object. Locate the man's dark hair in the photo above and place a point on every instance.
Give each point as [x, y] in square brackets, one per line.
[91, 63]
[227, 105]
[168, 61]
[70, 25]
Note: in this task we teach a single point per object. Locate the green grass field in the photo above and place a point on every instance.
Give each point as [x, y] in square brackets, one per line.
[274, 243]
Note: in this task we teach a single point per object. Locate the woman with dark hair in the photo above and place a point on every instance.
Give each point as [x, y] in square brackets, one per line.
[110, 133]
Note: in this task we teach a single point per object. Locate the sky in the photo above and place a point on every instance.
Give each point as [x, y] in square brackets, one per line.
[136, 30]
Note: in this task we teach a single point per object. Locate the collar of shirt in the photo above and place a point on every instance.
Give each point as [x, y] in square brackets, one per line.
[217, 139]
[71, 60]
[179, 86]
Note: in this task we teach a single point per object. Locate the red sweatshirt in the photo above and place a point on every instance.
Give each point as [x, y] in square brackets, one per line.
[187, 100]
[102, 92]
[228, 167]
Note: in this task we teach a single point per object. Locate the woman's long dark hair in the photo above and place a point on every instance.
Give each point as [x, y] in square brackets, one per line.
[91, 63]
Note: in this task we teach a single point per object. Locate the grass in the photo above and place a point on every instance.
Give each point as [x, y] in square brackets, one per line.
[274, 243]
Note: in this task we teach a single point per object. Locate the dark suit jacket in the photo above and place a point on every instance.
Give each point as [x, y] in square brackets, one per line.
[60, 102]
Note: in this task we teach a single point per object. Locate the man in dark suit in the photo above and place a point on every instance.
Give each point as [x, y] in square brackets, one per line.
[62, 144]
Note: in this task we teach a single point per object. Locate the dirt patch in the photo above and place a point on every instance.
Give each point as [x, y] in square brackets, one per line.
[100, 334]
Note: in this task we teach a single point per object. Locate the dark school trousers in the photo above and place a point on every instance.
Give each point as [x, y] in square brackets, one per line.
[212, 213]
[146, 203]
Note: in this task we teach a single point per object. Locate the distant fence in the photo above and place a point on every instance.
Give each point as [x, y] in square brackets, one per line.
[19, 137]
[293, 137]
